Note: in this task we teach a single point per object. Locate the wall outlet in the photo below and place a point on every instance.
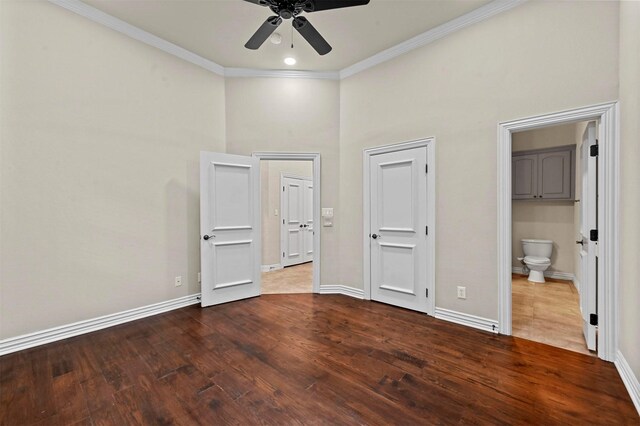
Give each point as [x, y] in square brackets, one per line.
[178, 281]
[199, 277]
[275, 212]
[462, 292]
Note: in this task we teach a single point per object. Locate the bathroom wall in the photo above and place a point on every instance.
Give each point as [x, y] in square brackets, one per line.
[547, 220]
[270, 193]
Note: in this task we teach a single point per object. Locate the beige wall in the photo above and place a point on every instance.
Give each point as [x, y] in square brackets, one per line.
[545, 220]
[534, 59]
[270, 172]
[99, 168]
[629, 342]
[291, 115]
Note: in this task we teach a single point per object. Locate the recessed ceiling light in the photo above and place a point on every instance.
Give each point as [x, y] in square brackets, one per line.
[290, 61]
[276, 38]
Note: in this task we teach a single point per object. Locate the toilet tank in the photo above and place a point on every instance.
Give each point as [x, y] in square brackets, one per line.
[538, 248]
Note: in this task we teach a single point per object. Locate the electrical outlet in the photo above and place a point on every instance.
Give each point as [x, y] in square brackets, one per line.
[462, 292]
[199, 277]
[178, 281]
[275, 212]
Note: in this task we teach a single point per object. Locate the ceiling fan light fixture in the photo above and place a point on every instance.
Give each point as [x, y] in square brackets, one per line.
[290, 61]
[276, 38]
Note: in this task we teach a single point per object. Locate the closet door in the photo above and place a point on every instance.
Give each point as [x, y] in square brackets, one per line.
[308, 220]
[293, 221]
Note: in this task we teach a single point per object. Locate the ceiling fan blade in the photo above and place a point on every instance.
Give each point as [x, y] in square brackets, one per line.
[306, 30]
[258, 2]
[263, 33]
[318, 5]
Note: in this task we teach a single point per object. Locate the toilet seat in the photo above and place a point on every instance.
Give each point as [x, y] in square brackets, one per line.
[534, 260]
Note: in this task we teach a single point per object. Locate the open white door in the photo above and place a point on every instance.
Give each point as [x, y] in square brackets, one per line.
[589, 223]
[398, 228]
[229, 227]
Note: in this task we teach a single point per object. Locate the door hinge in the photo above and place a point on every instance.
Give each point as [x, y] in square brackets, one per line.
[593, 150]
[426, 168]
[283, 189]
[593, 319]
[427, 293]
[593, 235]
[283, 221]
[426, 230]
[282, 254]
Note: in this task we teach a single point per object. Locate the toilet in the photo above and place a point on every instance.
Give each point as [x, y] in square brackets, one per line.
[537, 257]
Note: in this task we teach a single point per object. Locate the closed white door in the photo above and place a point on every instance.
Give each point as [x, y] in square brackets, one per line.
[398, 231]
[229, 227]
[589, 226]
[297, 220]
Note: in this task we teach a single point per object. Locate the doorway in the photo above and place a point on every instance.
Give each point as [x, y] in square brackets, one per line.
[607, 206]
[399, 224]
[290, 199]
[550, 290]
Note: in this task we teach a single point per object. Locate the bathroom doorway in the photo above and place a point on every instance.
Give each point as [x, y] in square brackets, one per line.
[545, 233]
[545, 224]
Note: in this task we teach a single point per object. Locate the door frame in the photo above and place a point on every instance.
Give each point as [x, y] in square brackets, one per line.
[283, 231]
[429, 143]
[607, 116]
[315, 158]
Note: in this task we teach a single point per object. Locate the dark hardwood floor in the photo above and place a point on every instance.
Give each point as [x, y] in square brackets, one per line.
[306, 359]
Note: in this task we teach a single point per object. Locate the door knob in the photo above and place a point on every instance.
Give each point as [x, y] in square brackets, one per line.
[375, 236]
[580, 242]
[206, 237]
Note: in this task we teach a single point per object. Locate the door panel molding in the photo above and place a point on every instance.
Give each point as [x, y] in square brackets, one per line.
[315, 158]
[607, 115]
[429, 143]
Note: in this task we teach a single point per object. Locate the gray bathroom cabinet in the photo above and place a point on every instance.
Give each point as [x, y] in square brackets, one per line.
[546, 174]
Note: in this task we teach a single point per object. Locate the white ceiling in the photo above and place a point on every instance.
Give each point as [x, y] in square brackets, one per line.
[218, 29]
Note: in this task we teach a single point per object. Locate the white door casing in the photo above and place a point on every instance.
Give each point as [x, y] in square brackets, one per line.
[589, 250]
[608, 160]
[297, 219]
[398, 234]
[229, 227]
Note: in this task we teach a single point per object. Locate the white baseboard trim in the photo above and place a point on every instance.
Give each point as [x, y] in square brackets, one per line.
[342, 289]
[556, 275]
[629, 379]
[26, 341]
[469, 320]
[269, 268]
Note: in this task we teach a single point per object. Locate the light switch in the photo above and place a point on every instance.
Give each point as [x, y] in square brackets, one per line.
[327, 216]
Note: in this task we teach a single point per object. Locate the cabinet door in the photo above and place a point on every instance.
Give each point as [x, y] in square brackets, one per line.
[524, 182]
[554, 175]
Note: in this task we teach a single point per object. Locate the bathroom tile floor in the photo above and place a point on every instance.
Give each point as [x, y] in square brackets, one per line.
[293, 279]
[548, 313]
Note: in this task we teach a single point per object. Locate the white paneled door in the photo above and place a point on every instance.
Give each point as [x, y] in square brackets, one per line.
[398, 228]
[588, 237]
[297, 220]
[229, 227]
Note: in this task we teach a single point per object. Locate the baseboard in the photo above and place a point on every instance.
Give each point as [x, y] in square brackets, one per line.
[26, 341]
[269, 268]
[342, 289]
[556, 275]
[629, 379]
[461, 318]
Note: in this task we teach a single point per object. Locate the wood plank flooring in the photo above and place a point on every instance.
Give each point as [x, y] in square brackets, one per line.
[289, 280]
[306, 359]
[548, 313]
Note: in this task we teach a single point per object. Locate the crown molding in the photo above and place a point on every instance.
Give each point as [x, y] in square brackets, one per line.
[136, 33]
[250, 72]
[473, 17]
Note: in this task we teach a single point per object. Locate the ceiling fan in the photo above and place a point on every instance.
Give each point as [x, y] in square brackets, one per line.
[287, 9]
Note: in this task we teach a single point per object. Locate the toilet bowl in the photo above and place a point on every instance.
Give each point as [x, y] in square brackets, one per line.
[537, 258]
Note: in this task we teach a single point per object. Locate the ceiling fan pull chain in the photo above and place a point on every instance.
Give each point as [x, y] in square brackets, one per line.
[292, 35]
